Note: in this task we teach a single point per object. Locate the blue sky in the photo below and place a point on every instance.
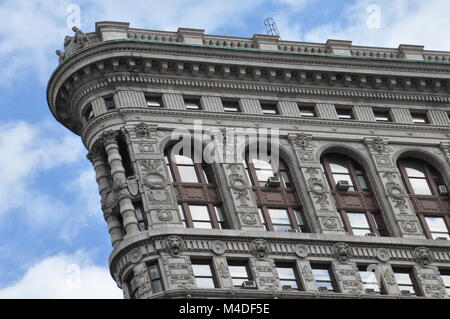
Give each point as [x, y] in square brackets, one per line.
[53, 240]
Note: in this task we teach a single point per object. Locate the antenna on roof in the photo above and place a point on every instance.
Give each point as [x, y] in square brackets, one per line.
[271, 27]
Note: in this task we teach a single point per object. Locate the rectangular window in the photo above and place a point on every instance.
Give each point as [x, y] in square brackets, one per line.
[155, 277]
[269, 108]
[437, 227]
[369, 279]
[109, 103]
[323, 277]
[405, 280]
[133, 288]
[307, 110]
[382, 116]
[288, 275]
[359, 224]
[204, 276]
[445, 275]
[345, 113]
[419, 117]
[200, 217]
[280, 219]
[239, 272]
[231, 106]
[153, 101]
[192, 104]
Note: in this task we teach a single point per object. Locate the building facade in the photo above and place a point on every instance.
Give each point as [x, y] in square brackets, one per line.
[357, 207]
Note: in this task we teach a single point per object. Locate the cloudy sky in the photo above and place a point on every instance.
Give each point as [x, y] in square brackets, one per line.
[53, 239]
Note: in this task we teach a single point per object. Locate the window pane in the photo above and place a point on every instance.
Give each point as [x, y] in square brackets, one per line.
[403, 279]
[202, 225]
[187, 174]
[360, 232]
[238, 271]
[201, 270]
[279, 216]
[157, 286]
[420, 186]
[286, 273]
[263, 175]
[205, 283]
[436, 224]
[358, 220]
[154, 272]
[338, 166]
[261, 164]
[183, 160]
[199, 213]
[153, 102]
[321, 274]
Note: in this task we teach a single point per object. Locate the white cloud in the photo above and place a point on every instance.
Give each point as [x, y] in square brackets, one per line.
[408, 22]
[29, 154]
[64, 276]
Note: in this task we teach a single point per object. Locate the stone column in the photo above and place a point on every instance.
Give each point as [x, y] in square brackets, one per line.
[347, 278]
[400, 216]
[320, 201]
[120, 185]
[143, 281]
[265, 273]
[430, 282]
[234, 185]
[306, 276]
[108, 197]
[388, 279]
[158, 195]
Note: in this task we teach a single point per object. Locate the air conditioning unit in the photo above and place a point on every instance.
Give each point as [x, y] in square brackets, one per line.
[323, 289]
[292, 231]
[371, 235]
[370, 291]
[249, 285]
[273, 181]
[443, 189]
[342, 186]
[286, 287]
[441, 238]
[405, 293]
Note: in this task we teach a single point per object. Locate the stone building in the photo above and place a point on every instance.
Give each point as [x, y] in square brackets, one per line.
[358, 205]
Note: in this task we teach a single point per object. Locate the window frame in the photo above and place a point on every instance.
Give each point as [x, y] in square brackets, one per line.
[240, 263]
[266, 105]
[429, 177]
[156, 98]
[303, 106]
[192, 100]
[293, 266]
[363, 268]
[445, 272]
[325, 266]
[107, 99]
[422, 114]
[152, 280]
[208, 262]
[387, 114]
[345, 109]
[409, 271]
[227, 102]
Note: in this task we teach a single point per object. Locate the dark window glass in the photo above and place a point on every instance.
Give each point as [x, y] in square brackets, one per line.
[192, 104]
[88, 114]
[204, 276]
[307, 110]
[382, 116]
[419, 117]
[153, 101]
[344, 113]
[109, 103]
[155, 277]
[323, 277]
[231, 106]
[133, 288]
[269, 108]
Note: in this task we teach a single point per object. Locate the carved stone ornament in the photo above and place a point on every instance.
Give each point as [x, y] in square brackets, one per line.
[330, 223]
[120, 189]
[301, 251]
[144, 131]
[342, 252]
[135, 255]
[319, 191]
[409, 227]
[383, 254]
[379, 145]
[218, 247]
[389, 277]
[423, 256]
[223, 270]
[109, 137]
[397, 194]
[153, 171]
[238, 186]
[300, 140]
[174, 245]
[165, 216]
[259, 248]
[249, 219]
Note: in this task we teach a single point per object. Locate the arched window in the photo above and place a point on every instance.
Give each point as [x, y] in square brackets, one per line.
[278, 203]
[354, 199]
[197, 195]
[429, 195]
